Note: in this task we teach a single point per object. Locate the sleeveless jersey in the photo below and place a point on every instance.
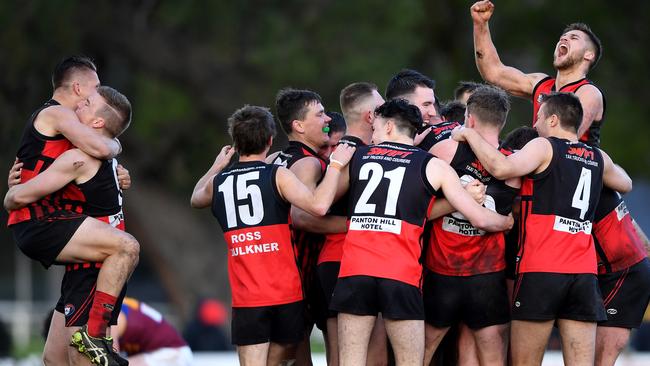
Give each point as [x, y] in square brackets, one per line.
[456, 248]
[146, 330]
[308, 245]
[37, 152]
[333, 247]
[390, 199]
[255, 221]
[439, 132]
[617, 243]
[102, 196]
[547, 85]
[557, 210]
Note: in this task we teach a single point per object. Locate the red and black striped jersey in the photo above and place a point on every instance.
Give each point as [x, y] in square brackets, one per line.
[456, 248]
[547, 85]
[617, 243]
[332, 250]
[308, 245]
[37, 152]
[255, 220]
[390, 200]
[557, 209]
[439, 132]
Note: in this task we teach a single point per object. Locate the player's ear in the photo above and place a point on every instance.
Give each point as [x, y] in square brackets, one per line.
[98, 122]
[270, 142]
[297, 125]
[589, 55]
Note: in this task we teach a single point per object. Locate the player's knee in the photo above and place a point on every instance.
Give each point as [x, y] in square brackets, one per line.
[130, 246]
[51, 358]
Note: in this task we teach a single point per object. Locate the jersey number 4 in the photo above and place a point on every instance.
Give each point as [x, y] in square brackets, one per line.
[249, 213]
[582, 193]
[373, 173]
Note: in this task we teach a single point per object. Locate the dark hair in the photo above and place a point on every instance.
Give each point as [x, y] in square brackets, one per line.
[291, 104]
[519, 137]
[337, 124]
[489, 105]
[407, 117]
[116, 112]
[353, 94]
[566, 106]
[595, 41]
[250, 128]
[405, 83]
[453, 111]
[64, 70]
[465, 87]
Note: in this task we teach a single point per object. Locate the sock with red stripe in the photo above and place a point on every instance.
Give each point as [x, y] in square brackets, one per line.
[100, 314]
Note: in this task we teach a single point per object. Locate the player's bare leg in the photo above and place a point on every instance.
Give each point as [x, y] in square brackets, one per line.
[407, 339]
[432, 336]
[467, 351]
[578, 342]
[528, 341]
[279, 353]
[610, 342]
[96, 241]
[331, 340]
[378, 345]
[56, 346]
[253, 355]
[492, 344]
[354, 335]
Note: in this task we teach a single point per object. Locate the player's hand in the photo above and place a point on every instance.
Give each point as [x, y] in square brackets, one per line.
[476, 189]
[482, 11]
[224, 156]
[14, 174]
[420, 136]
[342, 154]
[123, 177]
[458, 133]
[510, 222]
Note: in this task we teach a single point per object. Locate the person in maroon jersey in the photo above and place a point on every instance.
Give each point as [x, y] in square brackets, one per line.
[93, 189]
[463, 261]
[302, 117]
[576, 53]
[623, 275]
[148, 339]
[251, 200]
[380, 270]
[556, 263]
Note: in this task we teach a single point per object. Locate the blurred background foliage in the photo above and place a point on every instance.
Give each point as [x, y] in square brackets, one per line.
[187, 65]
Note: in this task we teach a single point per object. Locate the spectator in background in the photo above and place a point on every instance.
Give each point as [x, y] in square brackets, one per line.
[205, 332]
[148, 339]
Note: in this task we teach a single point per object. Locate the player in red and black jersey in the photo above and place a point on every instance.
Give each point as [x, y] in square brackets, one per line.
[382, 249]
[577, 52]
[623, 275]
[419, 90]
[90, 188]
[251, 200]
[556, 260]
[302, 117]
[463, 261]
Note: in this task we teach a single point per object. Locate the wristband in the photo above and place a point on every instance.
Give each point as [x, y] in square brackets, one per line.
[334, 161]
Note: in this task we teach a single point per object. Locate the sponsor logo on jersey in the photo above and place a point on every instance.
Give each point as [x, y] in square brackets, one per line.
[255, 249]
[612, 311]
[452, 225]
[372, 223]
[68, 310]
[621, 211]
[389, 152]
[581, 152]
[571, 226]
[439, 130]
